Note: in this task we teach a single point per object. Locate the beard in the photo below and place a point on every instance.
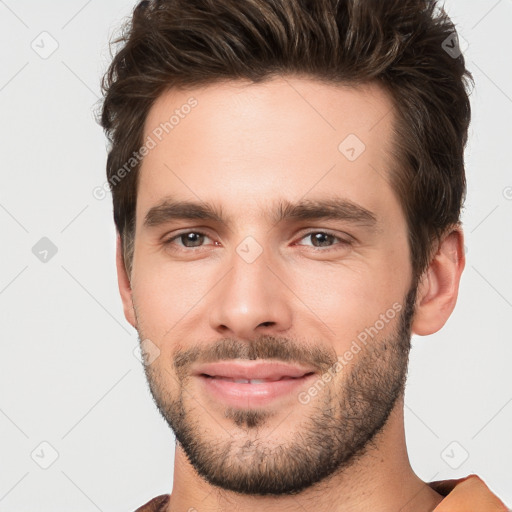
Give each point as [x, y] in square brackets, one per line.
[341, 424]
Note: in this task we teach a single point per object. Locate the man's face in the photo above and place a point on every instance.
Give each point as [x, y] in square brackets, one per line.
[269, 280]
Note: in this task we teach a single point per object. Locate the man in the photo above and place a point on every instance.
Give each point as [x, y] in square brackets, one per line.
[287, 179]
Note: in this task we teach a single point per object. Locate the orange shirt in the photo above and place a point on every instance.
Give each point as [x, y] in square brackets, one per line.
[468, 494]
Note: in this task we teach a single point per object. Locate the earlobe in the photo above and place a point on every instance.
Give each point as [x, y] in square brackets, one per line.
[124, 284]
[439, 286]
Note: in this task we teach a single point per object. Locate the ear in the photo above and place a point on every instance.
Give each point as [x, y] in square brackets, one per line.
[439, 285]
[123, 282]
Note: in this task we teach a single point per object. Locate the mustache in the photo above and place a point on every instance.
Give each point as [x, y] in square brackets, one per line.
[264, 347]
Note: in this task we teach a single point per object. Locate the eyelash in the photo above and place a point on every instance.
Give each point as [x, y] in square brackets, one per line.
[342, 242]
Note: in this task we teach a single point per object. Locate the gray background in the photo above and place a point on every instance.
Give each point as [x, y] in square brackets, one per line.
[68, 374]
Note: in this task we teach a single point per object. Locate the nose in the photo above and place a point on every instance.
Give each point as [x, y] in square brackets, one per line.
[251, 299]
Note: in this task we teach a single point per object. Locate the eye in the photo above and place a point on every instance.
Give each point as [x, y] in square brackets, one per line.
[321, 239]
[187, 239]
[196, 239]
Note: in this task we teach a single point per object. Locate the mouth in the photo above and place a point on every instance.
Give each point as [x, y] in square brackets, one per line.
[266, 371]
[251, 383]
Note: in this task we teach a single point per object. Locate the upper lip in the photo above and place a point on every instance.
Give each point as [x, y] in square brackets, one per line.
[252, 370]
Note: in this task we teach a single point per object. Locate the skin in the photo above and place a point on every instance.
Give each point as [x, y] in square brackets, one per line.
[243, 147]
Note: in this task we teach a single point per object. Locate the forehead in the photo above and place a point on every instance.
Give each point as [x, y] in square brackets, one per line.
[243, 144]
[281, 102]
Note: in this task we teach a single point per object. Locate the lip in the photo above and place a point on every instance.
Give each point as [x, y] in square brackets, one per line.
[218, 381]
[269, 370]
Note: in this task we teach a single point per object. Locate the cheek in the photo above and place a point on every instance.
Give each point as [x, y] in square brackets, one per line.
[167, 293]
[344, 300]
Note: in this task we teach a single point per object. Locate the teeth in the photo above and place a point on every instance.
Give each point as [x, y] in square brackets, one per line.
[252, 381]
[246, 381]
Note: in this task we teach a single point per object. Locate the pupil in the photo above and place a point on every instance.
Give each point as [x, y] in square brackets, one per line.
[317, 237]
[189, 237]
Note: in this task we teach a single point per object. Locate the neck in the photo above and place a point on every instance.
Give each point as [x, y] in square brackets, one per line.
[381, 479]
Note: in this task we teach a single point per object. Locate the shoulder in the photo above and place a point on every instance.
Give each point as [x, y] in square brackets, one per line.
[157, 504]
[469, 493]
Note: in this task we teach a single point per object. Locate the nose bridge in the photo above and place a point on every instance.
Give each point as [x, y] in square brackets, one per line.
[250, 294]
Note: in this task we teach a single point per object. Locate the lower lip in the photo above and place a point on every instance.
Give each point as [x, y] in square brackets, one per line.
[252, 395]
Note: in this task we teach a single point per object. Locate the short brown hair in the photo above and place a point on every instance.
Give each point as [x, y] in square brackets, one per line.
[409, 47]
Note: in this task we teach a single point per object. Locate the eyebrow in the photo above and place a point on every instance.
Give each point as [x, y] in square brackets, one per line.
[331, 208]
